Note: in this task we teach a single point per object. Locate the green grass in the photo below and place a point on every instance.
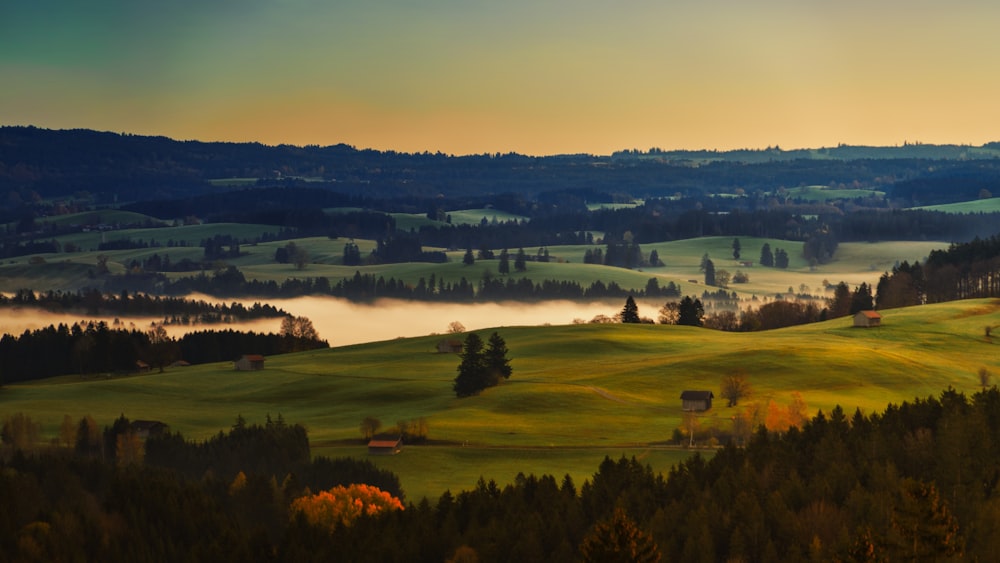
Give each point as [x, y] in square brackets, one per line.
[823, 193]
[578, 392]
[105, 216]
[990, 205]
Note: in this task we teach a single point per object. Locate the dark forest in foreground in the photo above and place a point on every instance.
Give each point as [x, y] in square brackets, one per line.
[915, 482]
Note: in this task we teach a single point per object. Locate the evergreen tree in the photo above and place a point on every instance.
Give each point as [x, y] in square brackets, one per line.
[630, 313]
[736, 249]
[520, 261]
[495, 360]
[709, 272]
[862, 299]
[654, 258]
[690, 312]
[840, 304]
[504, 267]
[766, 257]
[469, 259]
[780, 258]
[472, 367]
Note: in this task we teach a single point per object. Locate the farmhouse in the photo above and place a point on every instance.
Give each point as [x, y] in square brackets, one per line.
[867, 319]
[696, 401]
[141, 366]
[146, 428]
[450, 346]
[385, 445]
[250, 362]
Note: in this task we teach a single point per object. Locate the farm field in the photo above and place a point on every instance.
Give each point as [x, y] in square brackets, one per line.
[578, 392]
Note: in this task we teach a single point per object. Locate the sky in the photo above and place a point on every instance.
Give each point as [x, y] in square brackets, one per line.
[535, 77]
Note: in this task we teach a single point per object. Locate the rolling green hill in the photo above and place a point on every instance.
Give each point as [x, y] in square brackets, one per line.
[988, 205]
[578, 392]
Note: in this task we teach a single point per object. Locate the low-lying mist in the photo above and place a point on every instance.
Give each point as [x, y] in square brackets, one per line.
[342, 322]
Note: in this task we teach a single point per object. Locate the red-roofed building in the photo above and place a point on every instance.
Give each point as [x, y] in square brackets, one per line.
[250, 362]
[867, 319]
[385, 445]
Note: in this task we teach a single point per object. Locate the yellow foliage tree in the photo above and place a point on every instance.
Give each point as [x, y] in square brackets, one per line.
[341, 506]
[780, 419]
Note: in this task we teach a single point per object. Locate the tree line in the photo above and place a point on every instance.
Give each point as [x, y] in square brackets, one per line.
[962, 271]
[96, 348]
[173, 310]
[231, 282]
[916, 481]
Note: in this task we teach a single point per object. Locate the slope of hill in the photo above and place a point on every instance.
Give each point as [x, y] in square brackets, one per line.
[603, 388]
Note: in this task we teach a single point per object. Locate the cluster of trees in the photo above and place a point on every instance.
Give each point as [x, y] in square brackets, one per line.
[481, 367]
[173, 310]
[777, 259]
[963, 271]
[367, 287]
[914, 482]
[95, 348]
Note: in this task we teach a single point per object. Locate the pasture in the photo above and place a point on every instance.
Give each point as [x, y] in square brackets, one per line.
[578, 392]
[988, 205]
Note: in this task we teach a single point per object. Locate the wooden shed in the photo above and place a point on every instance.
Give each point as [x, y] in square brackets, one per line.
[385, 445]
[250, 362]
[867, 319]
[696, 401]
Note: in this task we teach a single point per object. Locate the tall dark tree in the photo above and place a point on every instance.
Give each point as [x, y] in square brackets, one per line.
[352, 254]
[495, 360]
[504, 267]
[630, 313]
[469, 259]
[654, 258]
[690, 312]
[840, 304]
[766, 257]
[736, 249]
[709, 272]
[520, 261]
[862, 299]
[472, 367]
[780, 258]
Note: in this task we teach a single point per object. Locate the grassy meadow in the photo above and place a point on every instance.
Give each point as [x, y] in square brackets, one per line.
[988, 205]
[853, 263]
[578, 392]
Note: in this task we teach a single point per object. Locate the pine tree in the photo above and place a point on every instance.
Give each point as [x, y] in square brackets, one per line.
[766, 257]
[630, 313]
[780, 258]
[504, 267]
[709, 272]
[736, 249]
[520, 261]
[495, 360]
[472, 367]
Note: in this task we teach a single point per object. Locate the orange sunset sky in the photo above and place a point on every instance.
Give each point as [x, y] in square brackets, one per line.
[539, 77]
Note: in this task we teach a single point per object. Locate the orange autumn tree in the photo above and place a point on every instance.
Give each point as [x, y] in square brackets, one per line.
[780, 419]
[341, 506]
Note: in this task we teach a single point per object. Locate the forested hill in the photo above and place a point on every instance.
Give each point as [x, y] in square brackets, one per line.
[113, 167]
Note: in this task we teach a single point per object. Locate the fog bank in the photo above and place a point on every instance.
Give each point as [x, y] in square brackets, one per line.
[343, 322]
